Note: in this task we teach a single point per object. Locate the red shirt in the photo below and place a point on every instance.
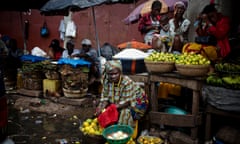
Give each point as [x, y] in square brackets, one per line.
[221, 31]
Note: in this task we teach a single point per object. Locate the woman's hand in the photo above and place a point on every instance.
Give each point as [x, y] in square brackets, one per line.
[100, 108]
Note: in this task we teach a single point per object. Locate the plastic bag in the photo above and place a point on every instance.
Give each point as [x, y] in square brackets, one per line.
[109, 116]
[44, 32]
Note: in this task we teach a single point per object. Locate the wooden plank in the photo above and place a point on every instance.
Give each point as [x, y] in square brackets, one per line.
[143, 77]
[32, 93]
[174, 120]
[191, 83]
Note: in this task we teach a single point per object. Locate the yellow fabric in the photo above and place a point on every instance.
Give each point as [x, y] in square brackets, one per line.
[209, 52]
[135, 132]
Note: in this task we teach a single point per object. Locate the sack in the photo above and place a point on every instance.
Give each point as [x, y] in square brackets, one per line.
[207, 40]
[44, 32]
[141, 106]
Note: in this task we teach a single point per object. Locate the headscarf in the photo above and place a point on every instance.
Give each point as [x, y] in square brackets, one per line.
[180, 3]
[112, 64]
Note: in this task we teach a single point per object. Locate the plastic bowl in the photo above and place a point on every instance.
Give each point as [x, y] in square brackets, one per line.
[115, 128]
[175, 110]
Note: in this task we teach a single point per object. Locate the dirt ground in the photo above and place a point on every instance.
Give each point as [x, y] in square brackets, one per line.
[34, 120]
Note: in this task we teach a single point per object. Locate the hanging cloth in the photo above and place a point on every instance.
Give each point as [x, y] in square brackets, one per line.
[71, 29]
[62, 29]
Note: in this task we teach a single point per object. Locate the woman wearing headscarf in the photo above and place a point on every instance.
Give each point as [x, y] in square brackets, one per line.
[179, 27]
[129, 98]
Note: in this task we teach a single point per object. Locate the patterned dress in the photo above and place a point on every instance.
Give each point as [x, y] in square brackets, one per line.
[125, 91]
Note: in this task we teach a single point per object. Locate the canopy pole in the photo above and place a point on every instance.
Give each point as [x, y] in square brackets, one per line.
[96, 32]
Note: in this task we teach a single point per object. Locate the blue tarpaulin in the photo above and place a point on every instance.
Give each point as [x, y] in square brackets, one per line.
[73, 62]
[32, 58]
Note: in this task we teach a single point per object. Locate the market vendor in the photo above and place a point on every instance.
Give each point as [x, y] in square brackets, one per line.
[71, 51]
[88, 53]
[55, 51]
[129, 98]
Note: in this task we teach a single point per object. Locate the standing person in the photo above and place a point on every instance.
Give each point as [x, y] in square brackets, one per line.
[56, 50]
[179, 27]
[149, 23]
[71, 51]
[13, 61]
[88, 53]
[219, 26]
[129, 98]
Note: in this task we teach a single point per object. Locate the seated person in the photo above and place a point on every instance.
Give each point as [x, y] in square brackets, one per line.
[219, 26]
[56, 50]
[179, 27]
[90, 54]
[71, 51]
[214, 24]
[149, 24]
[129, 98]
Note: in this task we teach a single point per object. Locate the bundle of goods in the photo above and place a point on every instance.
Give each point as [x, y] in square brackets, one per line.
[227, 75]
[51, 70]
[191, 64]
[32, 72]
[74, 74]
[132, 60]
[160, 62]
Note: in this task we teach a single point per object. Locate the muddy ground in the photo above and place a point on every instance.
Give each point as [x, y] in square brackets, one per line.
[34, 120]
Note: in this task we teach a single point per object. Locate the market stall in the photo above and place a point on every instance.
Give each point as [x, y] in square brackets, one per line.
[221, 94]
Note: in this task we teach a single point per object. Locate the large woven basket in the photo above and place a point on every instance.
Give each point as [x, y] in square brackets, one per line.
[75, 93]
[160, 67]
[192, 70]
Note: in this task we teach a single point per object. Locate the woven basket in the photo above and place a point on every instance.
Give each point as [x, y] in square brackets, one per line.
[192, 70]
[161, 67]
[75, 93]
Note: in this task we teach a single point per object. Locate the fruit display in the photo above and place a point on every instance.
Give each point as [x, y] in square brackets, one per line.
[161, 57]
[227, 67]
[91, 127]
[192, 59]
[226, 75]
[214, 80]
[149, 140]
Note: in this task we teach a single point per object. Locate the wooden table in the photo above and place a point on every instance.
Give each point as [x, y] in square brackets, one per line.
[192, 120]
